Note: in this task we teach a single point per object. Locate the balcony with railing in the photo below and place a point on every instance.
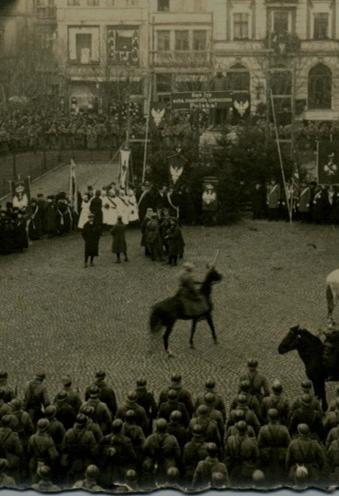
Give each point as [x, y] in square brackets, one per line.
[181, 58]
[47, 12]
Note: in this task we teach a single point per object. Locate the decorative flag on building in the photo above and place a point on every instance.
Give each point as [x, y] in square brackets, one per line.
[124, 167]
[328, 162]
[123, 45]
[73, 190]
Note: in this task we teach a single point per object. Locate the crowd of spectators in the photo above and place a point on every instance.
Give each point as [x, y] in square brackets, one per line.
[259, 438]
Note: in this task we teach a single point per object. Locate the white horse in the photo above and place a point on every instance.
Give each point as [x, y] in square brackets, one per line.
[332, 293]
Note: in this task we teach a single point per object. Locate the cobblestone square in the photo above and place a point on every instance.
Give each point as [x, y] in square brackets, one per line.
[61, 318]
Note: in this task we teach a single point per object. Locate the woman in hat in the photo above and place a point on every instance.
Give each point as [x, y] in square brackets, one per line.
[91, 234]
[119, 240]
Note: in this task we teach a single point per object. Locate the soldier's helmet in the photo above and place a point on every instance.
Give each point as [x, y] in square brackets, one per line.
[132, 396]
[50, 411]
[81, 420]
[209, 399]
[161, 425]
[210, 384]
[202, 411]
[188, 266]
[94, 392]
[131, 475]
[100, 374]
[241, 426]
[273, 414]
[252, 363]
[141, 383]
[303, 429]
[172, 473]
[130, 415]
[176, 416]
[277, 386]
[44, 472]
[42, 424]
[211, 449]
[172, 394]
[117, 426]
[197, 430]
[92, 472]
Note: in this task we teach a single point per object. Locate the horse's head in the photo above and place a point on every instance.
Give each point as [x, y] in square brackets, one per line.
[213, 275]
[291, 340]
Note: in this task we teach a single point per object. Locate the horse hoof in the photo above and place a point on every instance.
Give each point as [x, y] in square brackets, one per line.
[192, 346]
[215, 341]
[170, 354]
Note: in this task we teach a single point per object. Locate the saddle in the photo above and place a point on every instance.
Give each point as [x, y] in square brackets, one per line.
[330, 356]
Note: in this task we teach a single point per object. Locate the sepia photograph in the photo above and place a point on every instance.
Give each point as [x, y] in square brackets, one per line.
[169, 245]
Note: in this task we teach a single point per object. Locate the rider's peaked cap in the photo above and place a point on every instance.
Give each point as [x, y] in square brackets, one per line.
[252, 363]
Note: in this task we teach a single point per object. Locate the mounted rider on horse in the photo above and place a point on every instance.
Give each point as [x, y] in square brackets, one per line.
[193, 302]
[331, 352]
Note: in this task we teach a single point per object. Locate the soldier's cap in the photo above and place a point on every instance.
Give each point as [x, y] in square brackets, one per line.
[197, 430]
[100, 374]
[94, 391]
[273, 413]
[161, 425]
[3, 464]
[277, 386]
[252, 363]
[239, 414]
[172, 394]
[211, 449]
[172, 473]
[176, 415]
[15, 404]
[130, 414]
[43, 424]
[81, 419]
[44, 472]
[303, 429]
[218, 478]
[241, 426]
[3, 374]
[7, 420]
[306, 385]
[210, 384]
[141, 383]
[66, 380]
[40, 375]
[244, 385]
[50, 411]
[202, 410]
[242, 399]
[117, 426]
[209, 398]
[176, 378]
[86, 410]
[258, 476]
[132, 396]
[92, 472]
[306, 399]
[62, 395]
[131, 475]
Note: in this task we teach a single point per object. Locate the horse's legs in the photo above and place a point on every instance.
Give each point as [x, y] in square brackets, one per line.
[167, 334]
[330, 304]
[319, 387]
[211, 324]
[193, 329]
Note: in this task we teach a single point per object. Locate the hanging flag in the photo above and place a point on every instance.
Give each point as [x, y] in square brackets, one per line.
[328, 162]
[73, 190]
[124, 167]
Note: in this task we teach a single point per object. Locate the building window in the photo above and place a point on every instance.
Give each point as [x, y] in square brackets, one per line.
[93, 3]
[320, 87]
[123, 45]
[164, 83]
[73, 3]
[163, 39]
[181, 40]
[83, 47]
[238, 79]
[240, 27]
[200, 40]
[198, 5]
[163, 5]
[83, 44]
[320, 26]
[281, 21]
[281, 82]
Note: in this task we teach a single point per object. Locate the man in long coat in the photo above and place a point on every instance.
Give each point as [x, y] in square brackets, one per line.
[91, 234]
[119, 240]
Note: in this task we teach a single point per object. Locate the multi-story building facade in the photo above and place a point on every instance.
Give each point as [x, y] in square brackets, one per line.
[102, 49]
[293, 44]
[181, 45]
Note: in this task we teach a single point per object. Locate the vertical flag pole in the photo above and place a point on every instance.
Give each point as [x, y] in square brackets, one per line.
[281, 160]
[317, 159]
[147, 128]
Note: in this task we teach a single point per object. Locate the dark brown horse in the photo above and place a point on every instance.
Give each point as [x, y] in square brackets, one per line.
[167, 312]
[310, 349]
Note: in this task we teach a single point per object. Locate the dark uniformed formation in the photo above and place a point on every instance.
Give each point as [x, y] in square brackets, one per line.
[179, 441]
[310, 202]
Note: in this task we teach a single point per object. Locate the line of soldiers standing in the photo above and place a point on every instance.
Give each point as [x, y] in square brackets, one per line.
[311, 202]
[161, 235]
[178, 441]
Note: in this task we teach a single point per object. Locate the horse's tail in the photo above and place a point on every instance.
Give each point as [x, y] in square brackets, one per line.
[155, 320]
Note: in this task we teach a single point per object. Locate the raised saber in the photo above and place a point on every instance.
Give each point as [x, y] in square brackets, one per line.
[215, 258]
